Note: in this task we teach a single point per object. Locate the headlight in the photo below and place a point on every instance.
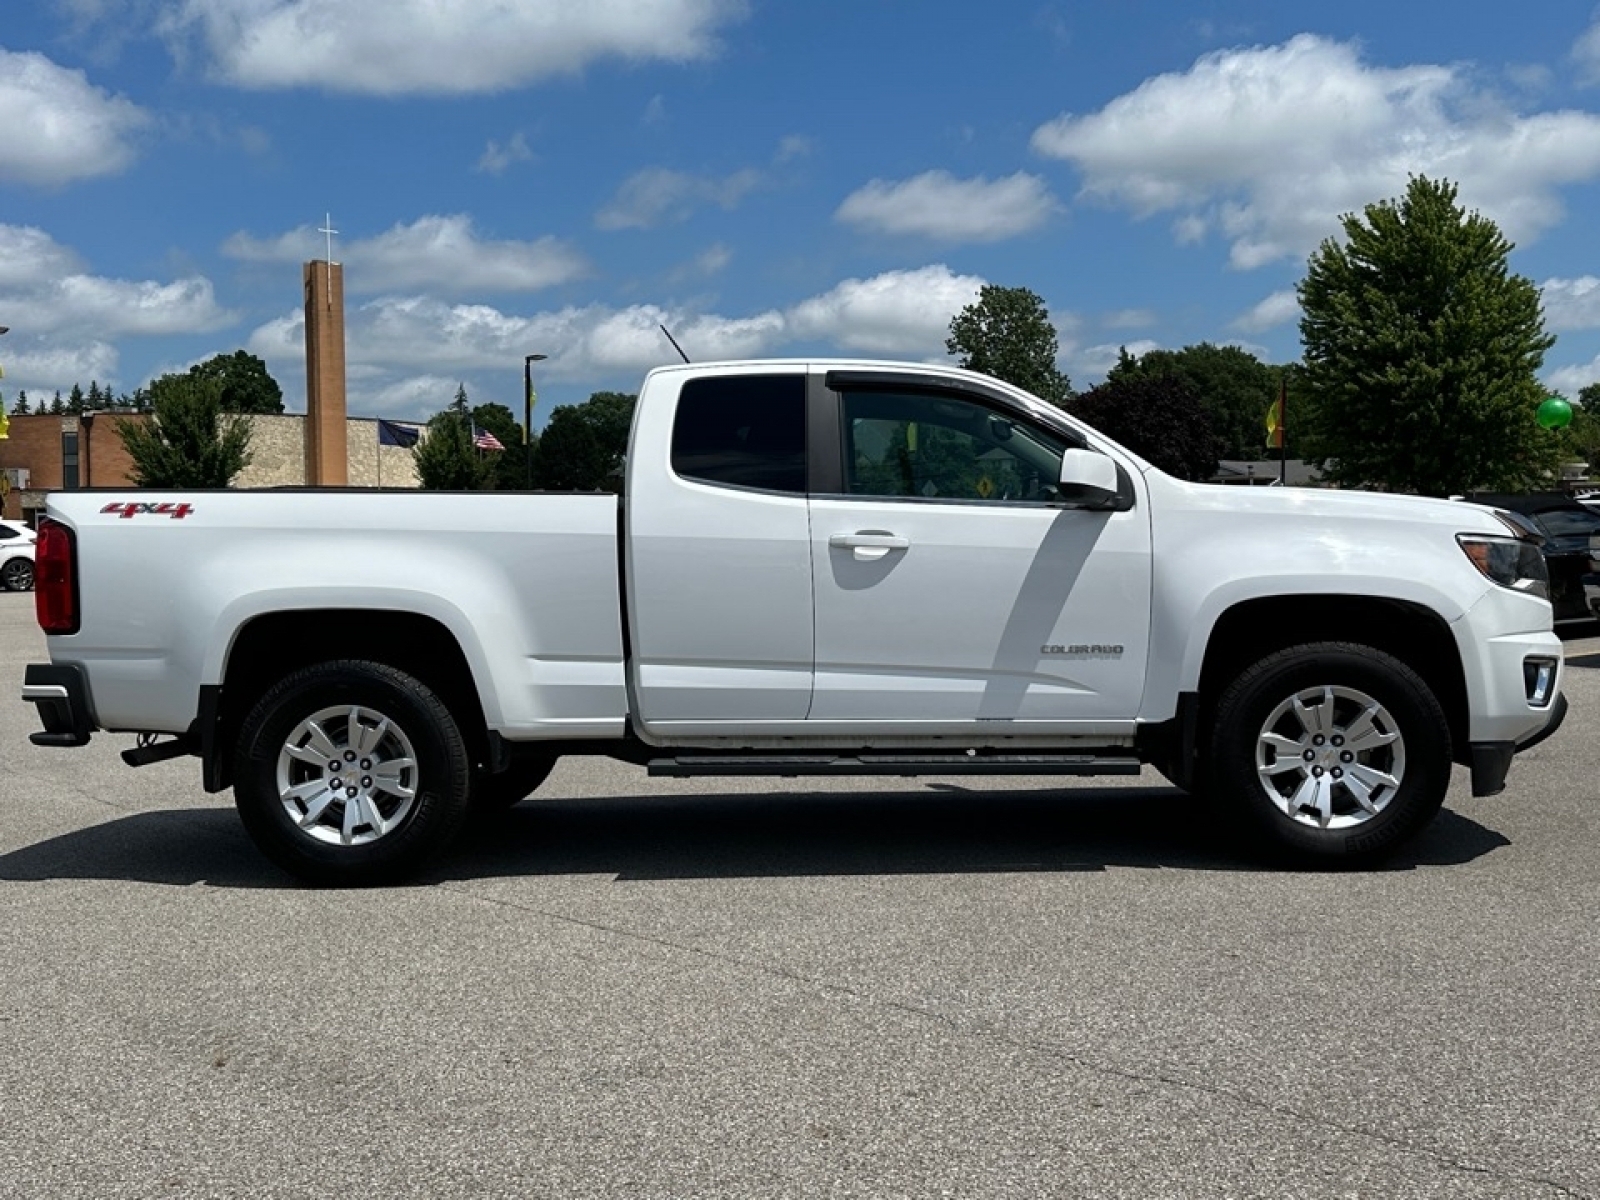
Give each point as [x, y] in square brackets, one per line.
[1512, 562]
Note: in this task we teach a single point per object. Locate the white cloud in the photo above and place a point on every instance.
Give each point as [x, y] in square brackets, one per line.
[1095, 361]
[713, 260]
[1268, 145]
[442, 253]
[1586, 52]
[1571, 380]
[57, 127]
[122, 306]
[900, 312]
[1129, 318]
[1277, 309]
[30, 257]
[793, 147]
[1571, 303]
[422, 46]
[937, 205]
[391, 339]
[658, 196]
[42, 365]
[44, 285]
[62, 316]
[418, 395]
[496, 158]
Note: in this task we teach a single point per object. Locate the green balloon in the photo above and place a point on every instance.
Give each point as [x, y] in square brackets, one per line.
[1554, 412]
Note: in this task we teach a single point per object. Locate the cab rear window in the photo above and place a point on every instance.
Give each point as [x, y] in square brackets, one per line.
[745, 431]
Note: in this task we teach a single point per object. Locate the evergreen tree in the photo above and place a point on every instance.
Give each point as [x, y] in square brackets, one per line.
[446, 458]
[1422, 352]
[21, 409]
[1007, 333]
[188, 442]
[57, 406]
[75, 400]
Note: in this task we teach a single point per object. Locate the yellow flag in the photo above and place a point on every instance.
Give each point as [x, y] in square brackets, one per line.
[5, 425]
[1275, 421]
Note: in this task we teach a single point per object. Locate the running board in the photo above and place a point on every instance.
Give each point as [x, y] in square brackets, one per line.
[683, 766]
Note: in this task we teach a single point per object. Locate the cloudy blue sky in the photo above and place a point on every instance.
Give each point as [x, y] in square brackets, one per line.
[765, 177]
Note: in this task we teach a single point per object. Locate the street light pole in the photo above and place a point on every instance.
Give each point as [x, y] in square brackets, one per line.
[527, 410]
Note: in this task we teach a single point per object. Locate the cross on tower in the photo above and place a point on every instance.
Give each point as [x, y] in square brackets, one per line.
[329, 230]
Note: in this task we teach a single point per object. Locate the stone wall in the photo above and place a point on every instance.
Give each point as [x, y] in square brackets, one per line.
[277, 448]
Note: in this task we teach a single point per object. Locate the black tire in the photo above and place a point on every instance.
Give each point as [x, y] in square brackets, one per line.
[17, 575]
[406, 792]
[495, 793]
[1354, 797]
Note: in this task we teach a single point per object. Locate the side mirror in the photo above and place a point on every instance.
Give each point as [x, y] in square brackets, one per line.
[1088, 480]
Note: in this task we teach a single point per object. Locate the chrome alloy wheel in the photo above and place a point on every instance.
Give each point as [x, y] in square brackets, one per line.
[347, 775]
[1330, 757]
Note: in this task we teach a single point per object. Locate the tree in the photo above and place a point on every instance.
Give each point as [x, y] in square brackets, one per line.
[1007, 333]
[508, 468]
[21, 409]
[446, 458]
[1234, 386]
[1421, 352]
[1158, 417]
[583, 446]
[188, 441]
[247, 386]
[1581, 439]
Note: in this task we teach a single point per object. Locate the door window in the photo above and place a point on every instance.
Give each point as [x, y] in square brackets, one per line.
[925, 446]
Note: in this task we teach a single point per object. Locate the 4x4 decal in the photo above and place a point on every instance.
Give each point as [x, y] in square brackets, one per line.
[135, 508]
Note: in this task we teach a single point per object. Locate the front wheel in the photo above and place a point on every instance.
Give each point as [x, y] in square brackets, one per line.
[1335, 753]
[17, 575]
[351, 773]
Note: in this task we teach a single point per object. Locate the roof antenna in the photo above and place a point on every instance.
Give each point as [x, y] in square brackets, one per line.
[674, 342]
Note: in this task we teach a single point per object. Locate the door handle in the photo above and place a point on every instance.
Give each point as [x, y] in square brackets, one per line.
[868, 546]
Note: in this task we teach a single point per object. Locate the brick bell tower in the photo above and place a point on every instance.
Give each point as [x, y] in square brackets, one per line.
[327, 455]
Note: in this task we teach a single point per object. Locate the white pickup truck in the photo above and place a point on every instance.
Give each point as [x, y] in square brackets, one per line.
[815, 568]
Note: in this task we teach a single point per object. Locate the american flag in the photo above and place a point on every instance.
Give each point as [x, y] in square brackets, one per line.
[484, 440]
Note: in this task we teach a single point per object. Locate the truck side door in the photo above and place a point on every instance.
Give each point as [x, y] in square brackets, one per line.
[954, 589]
[719, 551]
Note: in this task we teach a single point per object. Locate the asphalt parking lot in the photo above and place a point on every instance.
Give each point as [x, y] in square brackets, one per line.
[644, 988]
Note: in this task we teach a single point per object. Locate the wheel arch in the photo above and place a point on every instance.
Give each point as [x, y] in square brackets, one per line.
[271, 646]
[1252, 629]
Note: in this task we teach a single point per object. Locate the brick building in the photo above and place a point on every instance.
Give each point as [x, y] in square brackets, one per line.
[47, 453]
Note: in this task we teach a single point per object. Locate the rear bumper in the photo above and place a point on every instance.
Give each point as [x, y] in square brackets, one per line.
[61, 693]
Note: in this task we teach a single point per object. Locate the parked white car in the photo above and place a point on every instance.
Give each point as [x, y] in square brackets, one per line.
[16, 556]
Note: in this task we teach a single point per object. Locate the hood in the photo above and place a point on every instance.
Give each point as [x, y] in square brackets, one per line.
[1309, 503]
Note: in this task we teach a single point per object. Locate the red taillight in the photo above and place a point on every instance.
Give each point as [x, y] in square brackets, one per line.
[55, 578]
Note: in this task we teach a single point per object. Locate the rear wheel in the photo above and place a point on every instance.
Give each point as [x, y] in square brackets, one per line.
[1334, 753]
[351, 773]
